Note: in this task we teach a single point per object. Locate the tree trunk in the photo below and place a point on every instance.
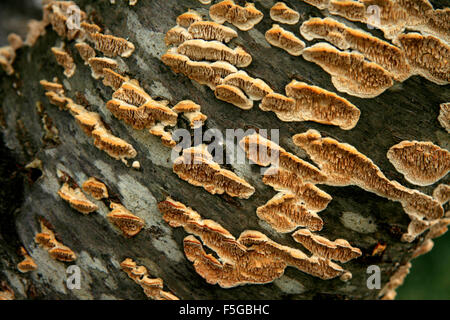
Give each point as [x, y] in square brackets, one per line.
[407, 111]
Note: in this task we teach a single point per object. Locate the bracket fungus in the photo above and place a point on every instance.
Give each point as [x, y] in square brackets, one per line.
[176, 36]
[421, 163]
[444, 116]
[35, 30]
[86, 51]
[76, 199]
[343, 165]
[64, 59]
[442, 193]
[285, 213]
[186, 19]
[153, 288]
[112, 46]
[7, 57]
[97, 65]
[127, 222]
[233, 95]
[113, 79]
[57, 251]
[244, 18]
[27, 264]
[95, 188]
[311, 103]
[253, 258]
[197, 167]
[396, 280]
[52, 87]
[191, 111]
[428, 56]
[199, 49]
[281, 13]
[286, 40]
[350, 73]
[339, 249]
[256, 89]
[381, 52]
[209, 30]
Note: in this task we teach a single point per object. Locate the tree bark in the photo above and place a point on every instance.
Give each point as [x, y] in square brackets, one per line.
[407, 111]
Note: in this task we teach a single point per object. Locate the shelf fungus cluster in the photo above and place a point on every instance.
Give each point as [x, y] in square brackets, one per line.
[253, 258]
[8, 53]
[65, 60]
[392, 16]
[344, 165]
[244, 18]
[281, 13]
[350, 72]
[388, 292]
[153, 287]
[128, 223]
[57, 251]
[27, 264]
[381, 52]
[444, 116]
[76, 198]
[286, 40]
[200, 53]
[191, 111]
[91, 123]
[311, 103]
[196, 166]
[421, 163]
[299, 200]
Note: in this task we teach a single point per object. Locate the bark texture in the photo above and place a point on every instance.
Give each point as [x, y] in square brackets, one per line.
[407, 111]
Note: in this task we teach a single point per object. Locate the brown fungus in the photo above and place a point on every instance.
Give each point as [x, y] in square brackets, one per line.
[244, 18]
[256, 89]
[186, 19]
[442, 193]
[113, 79]
[56, 250]
[97, 65]
[209, 30]
[52, 87]
[421, 163]
[444, 116]
[191, 111]
[339, 249]
[350, 73]
[281, 13]
[176, 36]
[35, 30]
[381, 52]
[86, 51]
[95, 188]
[127, 222]
[233, 95]
[285, 40]
[27, 264]
[344, 165]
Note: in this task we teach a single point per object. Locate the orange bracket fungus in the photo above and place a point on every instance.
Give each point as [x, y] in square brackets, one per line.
[86, 51]
[343, 165]
[209, 30]
[186, 19]
[6, 293]
[350, 73]
[127, 222]
[65, 60]
[421, 163]
[76, 199]
[285, 212]
[396, 280]
[281, 13]
[35, 30]
[428, 56]
[27, 264]
[176, 36]
[381, 52]
[244, 18]
[286, 40]
[97, 65]
[199, 49]
[233, 95]
[153, 288]
[95, 188]
[253, 258]
[57, 251]
[191, 111]
[256, 89]
[112, 46]
[197, 167]
[311, 103]
[113, 79]
[339, 249]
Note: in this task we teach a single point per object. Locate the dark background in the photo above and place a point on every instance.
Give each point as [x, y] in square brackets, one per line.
[429, 277]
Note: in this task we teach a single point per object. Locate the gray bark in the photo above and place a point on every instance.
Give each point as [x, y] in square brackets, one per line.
[408, 111]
